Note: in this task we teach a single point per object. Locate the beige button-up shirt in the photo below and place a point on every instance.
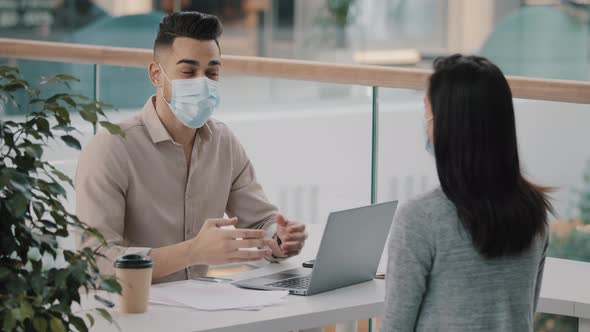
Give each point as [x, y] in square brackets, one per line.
[137, 191]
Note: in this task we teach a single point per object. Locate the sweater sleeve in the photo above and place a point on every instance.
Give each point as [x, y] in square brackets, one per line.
[410, 258]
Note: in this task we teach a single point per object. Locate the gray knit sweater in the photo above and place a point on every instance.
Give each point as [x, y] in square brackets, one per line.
[437, 281]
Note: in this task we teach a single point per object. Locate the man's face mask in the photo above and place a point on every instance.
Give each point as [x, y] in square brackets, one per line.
[193, 100]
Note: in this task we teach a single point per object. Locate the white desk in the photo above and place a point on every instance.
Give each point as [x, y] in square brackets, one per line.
[565, 291]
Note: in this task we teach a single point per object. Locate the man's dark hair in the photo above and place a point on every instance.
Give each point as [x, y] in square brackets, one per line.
[187, 24]
[477, 158]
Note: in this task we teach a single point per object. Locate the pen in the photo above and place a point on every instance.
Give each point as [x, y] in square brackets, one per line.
[104, 301]
[212, 279]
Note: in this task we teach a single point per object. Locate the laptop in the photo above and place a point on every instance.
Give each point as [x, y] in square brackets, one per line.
[349, 253]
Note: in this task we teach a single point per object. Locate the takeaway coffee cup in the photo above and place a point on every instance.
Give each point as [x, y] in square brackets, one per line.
[134, 273]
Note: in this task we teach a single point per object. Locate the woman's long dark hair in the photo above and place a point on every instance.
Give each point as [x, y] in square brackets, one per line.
[477, 156]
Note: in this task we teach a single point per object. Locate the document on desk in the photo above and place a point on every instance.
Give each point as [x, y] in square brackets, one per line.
[213, 296]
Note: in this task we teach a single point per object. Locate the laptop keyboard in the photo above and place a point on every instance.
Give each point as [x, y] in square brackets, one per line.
[293, 283]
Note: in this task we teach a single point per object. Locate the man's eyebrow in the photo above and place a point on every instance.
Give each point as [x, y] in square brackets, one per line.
[189, 61]
[214, 63]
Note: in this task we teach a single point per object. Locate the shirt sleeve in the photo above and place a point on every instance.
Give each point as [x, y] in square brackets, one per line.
[138, 251]
[540, 274]
[101, 185]
[247, 199]
[410, 257]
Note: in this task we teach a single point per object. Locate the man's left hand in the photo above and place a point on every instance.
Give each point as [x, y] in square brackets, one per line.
[292, 236]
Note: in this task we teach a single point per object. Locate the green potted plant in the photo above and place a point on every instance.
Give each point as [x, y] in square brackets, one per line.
[338, 15]
[584, 194]
[570, 239]
[37, 294]
[574, 242]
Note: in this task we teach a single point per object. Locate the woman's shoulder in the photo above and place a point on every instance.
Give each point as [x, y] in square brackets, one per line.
[433, 201]
[420, 211]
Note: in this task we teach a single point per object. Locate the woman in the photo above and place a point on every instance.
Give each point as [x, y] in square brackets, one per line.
[469, 255]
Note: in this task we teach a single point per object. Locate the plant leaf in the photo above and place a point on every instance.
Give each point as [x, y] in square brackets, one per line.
[4, 272]
[62, 113]
[93, 232]
[62, 176]
[26, 309]
[111, 286]
[60, 78]
[9, 321]
[15, 85]
[112, 128]
[60, 277]
[65, 128]
[56, 325]
[78, 323]
[8, 69]
[66, 77]
[105, 314]
[34, 150]
[39, 209]
[21, 186]
[89, 116]
[4, 179]
[40, 324]
[17, 205]
[43, 126]
[91, 319]
[17, 314]
[81, 97]
[71, 142]
[70, 101]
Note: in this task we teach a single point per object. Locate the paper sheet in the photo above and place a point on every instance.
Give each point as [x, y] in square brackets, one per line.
[213, 296]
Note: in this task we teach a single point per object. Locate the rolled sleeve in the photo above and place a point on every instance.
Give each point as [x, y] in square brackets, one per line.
[138, 251]
[247, 199]
[101, 185]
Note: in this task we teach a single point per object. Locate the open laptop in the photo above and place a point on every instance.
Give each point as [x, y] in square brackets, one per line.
[349, 253]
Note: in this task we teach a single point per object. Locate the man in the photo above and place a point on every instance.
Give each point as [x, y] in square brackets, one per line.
[163, 189]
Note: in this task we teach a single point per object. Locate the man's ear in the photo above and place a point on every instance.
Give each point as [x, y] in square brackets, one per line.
[155, 73]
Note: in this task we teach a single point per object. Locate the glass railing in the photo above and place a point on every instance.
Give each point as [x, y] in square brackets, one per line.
[353, 139]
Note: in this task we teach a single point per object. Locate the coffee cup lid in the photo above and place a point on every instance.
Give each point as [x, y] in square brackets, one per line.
[133, 261]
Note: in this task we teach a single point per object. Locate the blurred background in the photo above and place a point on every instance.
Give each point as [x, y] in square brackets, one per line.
[311, 142]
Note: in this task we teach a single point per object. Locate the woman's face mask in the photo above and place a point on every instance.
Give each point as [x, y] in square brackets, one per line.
[193, 100]
[429, 145]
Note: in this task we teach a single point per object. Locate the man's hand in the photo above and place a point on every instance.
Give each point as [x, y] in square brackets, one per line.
[214, 246]
[292, 236]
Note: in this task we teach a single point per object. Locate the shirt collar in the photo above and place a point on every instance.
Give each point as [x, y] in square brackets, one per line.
[156, 129]
[205, 131]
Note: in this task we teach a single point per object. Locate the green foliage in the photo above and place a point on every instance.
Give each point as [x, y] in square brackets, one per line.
[555, 323]
[340, 10]
[576, 246]
[34, 296]
[584, 203]
[338, 13]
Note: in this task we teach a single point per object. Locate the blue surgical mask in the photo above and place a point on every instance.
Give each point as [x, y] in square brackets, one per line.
[193, 100]
[429, 145]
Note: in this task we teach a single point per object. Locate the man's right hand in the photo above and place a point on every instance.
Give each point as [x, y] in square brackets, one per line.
[214, 246]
